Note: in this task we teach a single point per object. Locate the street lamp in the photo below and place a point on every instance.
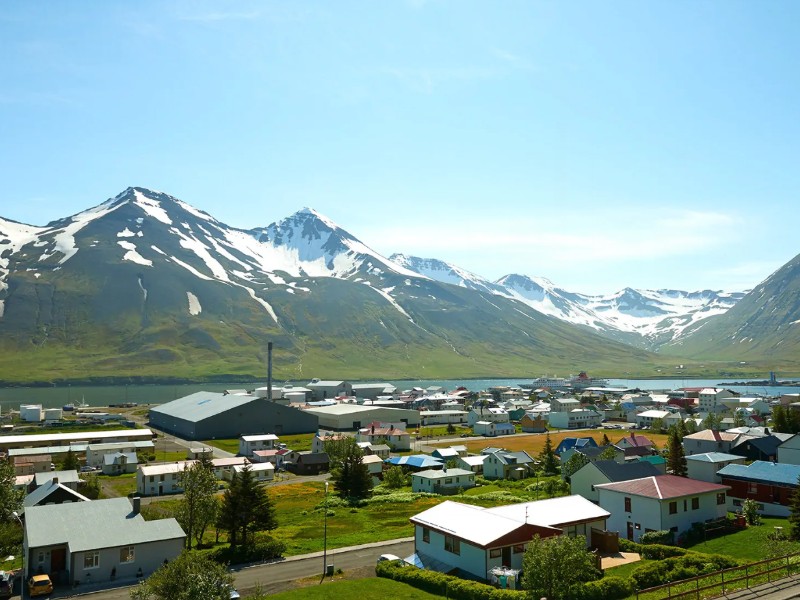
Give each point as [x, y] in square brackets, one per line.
[22, 579]
[325, 537]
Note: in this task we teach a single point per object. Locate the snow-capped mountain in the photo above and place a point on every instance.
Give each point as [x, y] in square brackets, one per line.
[646, 318]
[144, 282]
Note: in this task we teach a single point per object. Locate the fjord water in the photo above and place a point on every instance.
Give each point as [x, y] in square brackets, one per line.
[54, 397]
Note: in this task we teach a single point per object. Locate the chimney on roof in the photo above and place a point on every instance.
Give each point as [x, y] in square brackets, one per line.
[55, 480]
[137, 505]
[269, 371]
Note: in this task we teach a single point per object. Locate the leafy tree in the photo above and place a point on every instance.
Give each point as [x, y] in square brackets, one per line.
[691, 426]
[246, 507]
[657, 425]
[750, 512]
[394, 478]
[10, 497]
[70, 462]
[89, 486]
[676, 458]
[548, 457]
[712, 421]
[780, 420]
[609, 453]
[738, 419]
[554, 487]
[10, 538]
[554, 567]
[352, 477]
[198, 508]
[680, 429]
[188, 577]
[575, 463]
[337, 449]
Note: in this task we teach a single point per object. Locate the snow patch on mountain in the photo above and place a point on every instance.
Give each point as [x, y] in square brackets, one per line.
[438, 270]
[133, 255]
[194, 304]
[151, 206]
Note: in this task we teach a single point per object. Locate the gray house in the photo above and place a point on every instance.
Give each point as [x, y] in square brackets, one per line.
[323, 389]
[95, 541]
[208, 415]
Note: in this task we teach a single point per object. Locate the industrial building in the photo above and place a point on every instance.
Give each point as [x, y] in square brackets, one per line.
[353, 416]
[208, 415]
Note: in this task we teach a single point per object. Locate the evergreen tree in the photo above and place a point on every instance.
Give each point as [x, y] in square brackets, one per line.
[70, 461]
[548, 457]
[352, 478]
[246, 507]
[680, 429]
[605, 441]
[780, 420]
[794, 514]
[676, 459]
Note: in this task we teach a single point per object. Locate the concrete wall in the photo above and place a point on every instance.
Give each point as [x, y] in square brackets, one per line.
[148, 557]
[707, 471]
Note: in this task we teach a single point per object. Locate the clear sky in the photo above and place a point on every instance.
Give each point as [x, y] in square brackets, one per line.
[599, 144]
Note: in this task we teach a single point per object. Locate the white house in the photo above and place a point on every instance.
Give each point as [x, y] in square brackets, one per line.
[577, 418]
[442, 481]
[492, 415]
[710, 399]
[662, 502]
[789, 451]
[95, 453]
[709, 440]
[704, 467]
[262, 472]
[584, 480]
[502, 464]
[250, 443]
[476, 540]
[395, 437]
[492, 429]
[472, 463]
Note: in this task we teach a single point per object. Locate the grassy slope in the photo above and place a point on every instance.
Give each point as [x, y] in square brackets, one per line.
[364, 589]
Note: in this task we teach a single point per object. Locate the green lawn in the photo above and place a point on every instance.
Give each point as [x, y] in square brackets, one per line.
[299, 442]
[365, 589]
[115, 486]
[749, 544]
[228, 445]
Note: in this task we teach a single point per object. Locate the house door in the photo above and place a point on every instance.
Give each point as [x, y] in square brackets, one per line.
[506, 556]
[630, 531]
[58, 559]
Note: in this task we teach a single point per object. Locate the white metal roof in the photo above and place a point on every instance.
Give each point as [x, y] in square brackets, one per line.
[260, 438]
[553, 512]
[7, 440]
[441, 473]
[470, 523]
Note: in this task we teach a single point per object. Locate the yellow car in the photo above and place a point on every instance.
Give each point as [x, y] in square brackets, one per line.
[40, 585]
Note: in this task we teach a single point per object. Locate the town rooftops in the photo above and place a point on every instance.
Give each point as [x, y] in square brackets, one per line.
[615, 471]
[474, 461]
[264, 437]
[202, 405]
[43, 491]
[442, 473]
[635, 440]
[118, 445]
[554, 512]
[70, 476]
[474, 524]
[371, 459]
[29, 440]
[118, 457]
[713, 435]
[663, 487]
[763, 471]
[108, 524]
[418, 461]
[714, 457]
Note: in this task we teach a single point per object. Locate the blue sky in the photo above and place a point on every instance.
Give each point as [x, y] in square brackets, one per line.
[601, 145]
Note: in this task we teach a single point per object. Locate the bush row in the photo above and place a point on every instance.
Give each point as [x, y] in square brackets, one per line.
[263, 548]
[607, 588]
[445, 585]
[651, 551]
[682, 567]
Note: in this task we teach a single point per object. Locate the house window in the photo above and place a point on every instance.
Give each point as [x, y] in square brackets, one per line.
[426, 535]
[448, 480]
[452, 544]
[627, 505]
[519, 548]
[721, 498]
[752, 488]
[91, 560]
[637, 526]
[673, 508]
[152, 478]
[695, 503]
[495, 553]
[127, 554]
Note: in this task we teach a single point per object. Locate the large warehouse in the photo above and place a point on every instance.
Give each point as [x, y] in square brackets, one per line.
[355, 416]
[208, 415]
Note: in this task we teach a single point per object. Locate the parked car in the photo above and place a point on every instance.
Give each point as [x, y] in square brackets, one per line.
[87, 469]
[389, 557]
[40, 585]
[234, 594]
[6, 584]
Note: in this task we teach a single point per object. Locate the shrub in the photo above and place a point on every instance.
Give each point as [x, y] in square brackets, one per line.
[651, 551]
[690, 565]
[445, 585]
[262, 548]
[664, 536]
[607, 588]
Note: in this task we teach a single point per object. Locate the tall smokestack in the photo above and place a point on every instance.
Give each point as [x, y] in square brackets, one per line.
[269, 370]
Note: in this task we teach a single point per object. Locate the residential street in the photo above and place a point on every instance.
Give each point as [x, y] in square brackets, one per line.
[273, 577]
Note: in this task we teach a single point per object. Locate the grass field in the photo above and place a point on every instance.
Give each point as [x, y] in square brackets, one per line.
[533, 443]
[115, 486]
[373, 588]
[299, 442]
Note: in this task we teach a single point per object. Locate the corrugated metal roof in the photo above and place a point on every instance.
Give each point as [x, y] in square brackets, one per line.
[70, 476]
[761, 470]
[8, 440]
[42, 492]
[470, 523]
[202, 405]
[554, 512]
[94, 525]
[714, 457]
[441, 473]
[663, 487]
[615, 471]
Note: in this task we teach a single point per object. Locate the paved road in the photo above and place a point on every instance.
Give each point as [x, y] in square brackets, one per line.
[273, 576]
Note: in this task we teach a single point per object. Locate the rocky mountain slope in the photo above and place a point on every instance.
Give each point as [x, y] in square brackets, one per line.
[144, 283]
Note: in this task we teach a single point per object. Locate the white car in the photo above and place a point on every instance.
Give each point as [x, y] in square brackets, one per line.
[385, 557]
